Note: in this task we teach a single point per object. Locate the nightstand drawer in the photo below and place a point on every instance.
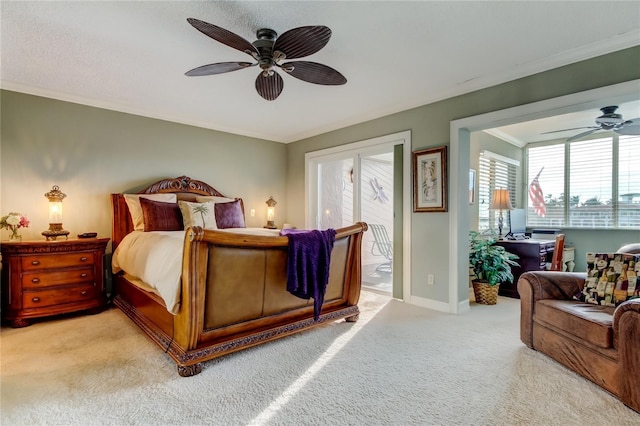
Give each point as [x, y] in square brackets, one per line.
[32, 280]
[56, 261]
[77, 293]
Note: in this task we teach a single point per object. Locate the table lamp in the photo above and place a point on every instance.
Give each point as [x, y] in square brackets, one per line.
[501, 200]
[271, 213]
[55, 230]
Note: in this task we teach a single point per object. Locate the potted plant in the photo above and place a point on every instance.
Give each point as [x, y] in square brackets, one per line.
[491, 265]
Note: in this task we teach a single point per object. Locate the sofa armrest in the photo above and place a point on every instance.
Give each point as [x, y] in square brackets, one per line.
[537, 285]
[626, 338]
[627, 311]
[632, 306]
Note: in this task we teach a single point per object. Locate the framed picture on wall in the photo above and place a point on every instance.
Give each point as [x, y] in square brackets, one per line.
[430, 180]
[472, 186]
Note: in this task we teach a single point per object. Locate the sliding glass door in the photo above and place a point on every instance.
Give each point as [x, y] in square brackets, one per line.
[358, 186]
[365, 181]
[335, 193]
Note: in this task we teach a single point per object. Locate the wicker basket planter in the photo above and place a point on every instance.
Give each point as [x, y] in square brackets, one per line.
[485, 293]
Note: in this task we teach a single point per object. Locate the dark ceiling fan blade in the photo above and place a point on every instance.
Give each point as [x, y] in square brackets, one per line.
[574, 128]
[302, 41]
[630, 127]
[269, 87]
[223, 36]
[314, 72]
[219, 68]
[583, 134]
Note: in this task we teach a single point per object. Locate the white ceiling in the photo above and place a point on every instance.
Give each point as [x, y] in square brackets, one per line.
[132, 56]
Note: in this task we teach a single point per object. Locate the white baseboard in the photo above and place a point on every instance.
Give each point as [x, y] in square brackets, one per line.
[463, 306]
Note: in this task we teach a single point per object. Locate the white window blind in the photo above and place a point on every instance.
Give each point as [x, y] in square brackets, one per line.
[547, 164]
[629, 182]
[591, 183]
[495, 171]
[587, 184]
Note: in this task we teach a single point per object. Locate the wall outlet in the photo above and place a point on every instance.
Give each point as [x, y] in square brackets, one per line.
[430, 279]
[253, 212]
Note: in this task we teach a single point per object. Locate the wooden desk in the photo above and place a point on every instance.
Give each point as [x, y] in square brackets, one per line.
[533, 254]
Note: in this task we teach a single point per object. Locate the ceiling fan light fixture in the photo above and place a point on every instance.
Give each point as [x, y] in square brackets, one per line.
[611, 119]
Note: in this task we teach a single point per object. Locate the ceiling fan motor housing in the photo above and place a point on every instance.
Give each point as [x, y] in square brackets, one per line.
[264, 45]
[609, 119]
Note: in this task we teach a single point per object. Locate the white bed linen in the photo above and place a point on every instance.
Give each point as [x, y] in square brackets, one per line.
[265, 232]
[155, 258]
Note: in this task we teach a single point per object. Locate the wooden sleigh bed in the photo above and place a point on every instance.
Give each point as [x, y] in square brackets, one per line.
[232, 288]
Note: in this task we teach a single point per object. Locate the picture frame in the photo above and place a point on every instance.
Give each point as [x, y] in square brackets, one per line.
[430, 180]
[472, 186]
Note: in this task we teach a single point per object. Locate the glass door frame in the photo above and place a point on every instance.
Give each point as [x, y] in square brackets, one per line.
[354, 150]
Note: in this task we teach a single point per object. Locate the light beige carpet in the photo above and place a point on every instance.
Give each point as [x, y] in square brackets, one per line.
[398, 365]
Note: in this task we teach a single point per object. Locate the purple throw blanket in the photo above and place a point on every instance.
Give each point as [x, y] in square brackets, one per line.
[308, 261]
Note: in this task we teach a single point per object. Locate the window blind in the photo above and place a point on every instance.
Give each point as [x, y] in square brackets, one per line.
[547, 164]
[591, 183]
[495, 172]
[587, 184]
[629, 182]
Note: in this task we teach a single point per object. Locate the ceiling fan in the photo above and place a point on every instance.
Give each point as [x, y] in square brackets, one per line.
[609, 120]
[268, 51]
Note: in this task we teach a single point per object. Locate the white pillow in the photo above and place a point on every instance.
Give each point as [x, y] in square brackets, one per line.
[204, 199]
[133, 202]
[198, 214]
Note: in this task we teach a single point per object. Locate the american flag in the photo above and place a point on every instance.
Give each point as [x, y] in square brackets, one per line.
[537, 197]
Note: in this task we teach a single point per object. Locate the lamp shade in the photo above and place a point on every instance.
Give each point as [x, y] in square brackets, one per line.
[55, 211]
[501, 200]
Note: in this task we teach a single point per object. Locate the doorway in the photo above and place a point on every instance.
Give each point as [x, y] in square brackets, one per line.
[460, 164]
[364, 181]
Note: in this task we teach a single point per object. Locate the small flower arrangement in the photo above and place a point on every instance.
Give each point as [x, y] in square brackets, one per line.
[14, 221]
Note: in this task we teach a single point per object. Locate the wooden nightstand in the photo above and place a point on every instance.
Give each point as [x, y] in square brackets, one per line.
[42, 278]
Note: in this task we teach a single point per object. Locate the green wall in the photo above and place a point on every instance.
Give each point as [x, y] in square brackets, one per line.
[92, 152]
[430, 126]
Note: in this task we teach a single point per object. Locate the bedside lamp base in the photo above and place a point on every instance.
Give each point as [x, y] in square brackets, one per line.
[55, 230]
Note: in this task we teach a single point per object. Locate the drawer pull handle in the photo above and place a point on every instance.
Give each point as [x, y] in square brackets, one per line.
[83, 258]
[35, 280]
[83, 275]
[36, 299]
[84, 293]
[35, 262]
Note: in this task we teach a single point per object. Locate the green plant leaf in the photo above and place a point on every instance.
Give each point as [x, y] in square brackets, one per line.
[489, 261]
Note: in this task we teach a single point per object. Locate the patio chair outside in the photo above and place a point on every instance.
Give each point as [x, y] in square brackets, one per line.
[382, 246]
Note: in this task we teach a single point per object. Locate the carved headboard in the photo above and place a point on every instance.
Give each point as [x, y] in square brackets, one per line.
[184, 187]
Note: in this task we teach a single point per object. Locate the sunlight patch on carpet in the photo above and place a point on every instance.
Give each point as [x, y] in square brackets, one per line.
[264, 417]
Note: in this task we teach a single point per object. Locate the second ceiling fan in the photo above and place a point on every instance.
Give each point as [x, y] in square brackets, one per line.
[609, 120]
[269, 51]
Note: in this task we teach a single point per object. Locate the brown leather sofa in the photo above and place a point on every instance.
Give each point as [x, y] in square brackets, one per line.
[600, 343]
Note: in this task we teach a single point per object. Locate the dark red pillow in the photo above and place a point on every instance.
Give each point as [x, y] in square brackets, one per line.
[159, 216]
[230, 215]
